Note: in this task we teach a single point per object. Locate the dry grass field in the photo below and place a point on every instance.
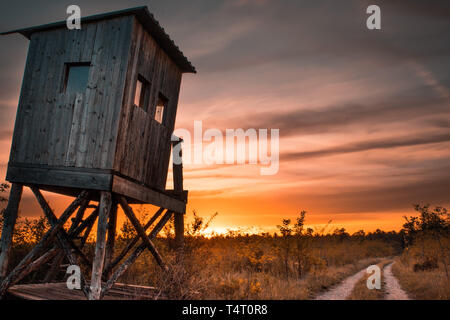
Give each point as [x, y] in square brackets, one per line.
[421, 272]
[294, 263]
[251, 268]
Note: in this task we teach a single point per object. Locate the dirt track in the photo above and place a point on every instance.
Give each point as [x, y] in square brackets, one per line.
[344, 289]
[393, 289]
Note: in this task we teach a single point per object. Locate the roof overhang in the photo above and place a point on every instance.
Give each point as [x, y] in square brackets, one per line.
[144, 17]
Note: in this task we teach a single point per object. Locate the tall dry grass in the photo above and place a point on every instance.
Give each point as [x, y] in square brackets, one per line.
[297, 265]
[250, 267]
[421, 271]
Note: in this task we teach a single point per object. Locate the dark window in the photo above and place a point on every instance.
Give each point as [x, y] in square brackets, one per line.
[161, 105]
[77, 75]
[141, 92]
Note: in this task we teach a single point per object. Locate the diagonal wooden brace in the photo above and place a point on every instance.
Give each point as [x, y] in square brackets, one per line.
[53, 252]
[136, 253]
[62, 237]
[43, 244]
[59, 256]
[141, 232]
[132, 242]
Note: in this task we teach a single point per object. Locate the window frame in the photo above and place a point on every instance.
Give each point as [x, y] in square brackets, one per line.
[67, 66]
[165, 105]
[144, 94]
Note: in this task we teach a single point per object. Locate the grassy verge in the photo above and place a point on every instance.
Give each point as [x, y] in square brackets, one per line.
[311, 285]
[422, 285]
[361, 292]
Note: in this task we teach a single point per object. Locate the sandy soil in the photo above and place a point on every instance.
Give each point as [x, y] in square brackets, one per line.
[393, 289]
[342, 290]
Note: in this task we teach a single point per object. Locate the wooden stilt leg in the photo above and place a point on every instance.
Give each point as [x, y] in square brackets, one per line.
[112, 224]
[177, 170]
[179, 229]
[100, 246]
[10, 217]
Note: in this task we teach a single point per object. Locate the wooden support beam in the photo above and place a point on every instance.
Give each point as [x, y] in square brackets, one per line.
[100, 245]
[55, 267]
[130, 245]
[33, 266]
[92, 179]
[177, 168]
[62, 236]
[43, 244]
[141, 232]
[112, 225]
[79, 216]
[48, 255]
[10, 218]
[146, 195]
[88, 230]
[59, 257]
[136, 253]
[180, 196]
[179, 229]
[86, 223]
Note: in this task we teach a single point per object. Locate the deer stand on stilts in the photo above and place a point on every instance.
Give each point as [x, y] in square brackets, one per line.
[95, 121]
[58, 243]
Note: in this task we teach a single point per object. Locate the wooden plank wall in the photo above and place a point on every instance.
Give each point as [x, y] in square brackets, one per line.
[58, 129]
[143, 148]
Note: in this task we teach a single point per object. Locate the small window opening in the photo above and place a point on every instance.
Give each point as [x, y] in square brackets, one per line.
[141, 92]
[160, 106]
[77, 75]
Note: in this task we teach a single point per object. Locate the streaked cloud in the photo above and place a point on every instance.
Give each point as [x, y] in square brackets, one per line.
[364, 116]
[393, 142]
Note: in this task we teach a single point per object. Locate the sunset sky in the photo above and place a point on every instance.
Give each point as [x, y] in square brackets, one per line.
[364, 115]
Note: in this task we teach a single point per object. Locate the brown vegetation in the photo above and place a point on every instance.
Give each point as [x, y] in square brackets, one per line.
[422, 269]
[294, 263]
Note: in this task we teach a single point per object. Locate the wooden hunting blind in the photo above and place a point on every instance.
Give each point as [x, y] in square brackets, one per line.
[95, 119]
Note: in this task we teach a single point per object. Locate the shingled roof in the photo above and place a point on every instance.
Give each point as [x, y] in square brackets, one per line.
[144, 17]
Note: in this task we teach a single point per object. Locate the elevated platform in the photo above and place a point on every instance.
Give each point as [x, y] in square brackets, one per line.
[59, 291]
[70, 181]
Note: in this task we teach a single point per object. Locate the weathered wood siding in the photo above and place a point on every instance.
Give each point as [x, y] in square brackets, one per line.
[99, 128]
[67, 130]
[143, 147]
